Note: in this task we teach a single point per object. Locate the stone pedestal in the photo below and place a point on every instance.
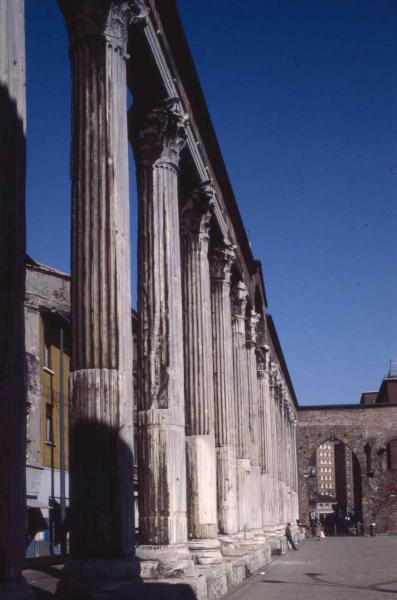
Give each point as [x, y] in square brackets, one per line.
[158, 142]
[101, 426]
[199, 378]
[12, 295]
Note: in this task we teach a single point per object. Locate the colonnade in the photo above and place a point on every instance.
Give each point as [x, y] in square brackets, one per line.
[216, 425]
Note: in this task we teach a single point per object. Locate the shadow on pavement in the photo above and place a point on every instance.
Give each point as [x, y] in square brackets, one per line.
[315, 580]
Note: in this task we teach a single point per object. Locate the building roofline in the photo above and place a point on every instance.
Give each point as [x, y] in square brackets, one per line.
[185, 66]
[37, 266]
[281, 358]
[339, 406]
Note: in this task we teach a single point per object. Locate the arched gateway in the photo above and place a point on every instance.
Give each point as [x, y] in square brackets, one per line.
[368, 431]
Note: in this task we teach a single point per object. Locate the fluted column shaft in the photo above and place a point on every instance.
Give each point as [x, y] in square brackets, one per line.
[158, 142]
[265, 444]
[199, 376]
[221, 260]
[279, 454]
[252, 392]
[12, 292]
[240, 371]
[241, 404]
[256, 499]
[263, 415]
[101, 442]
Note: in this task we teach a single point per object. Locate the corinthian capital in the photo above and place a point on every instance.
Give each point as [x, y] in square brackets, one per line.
[221, 261]
[108, 19]
[239, 297]
[196, 213]
[252, 327]
[162, 135]
[261, 363]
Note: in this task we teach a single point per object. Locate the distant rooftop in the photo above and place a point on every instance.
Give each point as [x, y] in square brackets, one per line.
[368, 397]
[393, 368]
[30, 262]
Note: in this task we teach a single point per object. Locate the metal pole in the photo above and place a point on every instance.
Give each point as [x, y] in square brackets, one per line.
[62, 442]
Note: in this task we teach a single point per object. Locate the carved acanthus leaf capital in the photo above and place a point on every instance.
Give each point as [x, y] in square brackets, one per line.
[261, 363]
[252, 327]
[239, 297]
[221, 261]
[109, 19]
[196, 213]
[162, 135]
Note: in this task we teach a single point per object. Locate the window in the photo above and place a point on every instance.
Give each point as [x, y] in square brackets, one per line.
[392, 454]
[47, 353]
[49, 430]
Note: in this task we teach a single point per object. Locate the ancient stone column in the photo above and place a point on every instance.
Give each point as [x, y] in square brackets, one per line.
[241, 402]
[266, 444]
[279, 492]
[295, 469]
[158, 142]
[12, 292]
[283, 452]
[221, 260]
[199, 378]
[255, 496]
[101, 439]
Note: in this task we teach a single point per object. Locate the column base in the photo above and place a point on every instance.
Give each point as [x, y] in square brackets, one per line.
[17, 590]
[251, 540]
[82, 579]
[240, 543]
[206, 551]
[173, 560]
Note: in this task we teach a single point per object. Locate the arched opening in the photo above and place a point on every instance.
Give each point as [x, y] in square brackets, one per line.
[335, 489]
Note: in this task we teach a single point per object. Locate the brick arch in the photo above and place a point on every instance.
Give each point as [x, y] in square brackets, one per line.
[321, 435]
[355, 426]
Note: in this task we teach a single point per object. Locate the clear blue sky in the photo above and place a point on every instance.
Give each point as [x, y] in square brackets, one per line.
[303, 98]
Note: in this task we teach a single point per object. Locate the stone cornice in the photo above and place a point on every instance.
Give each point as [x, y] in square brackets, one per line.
[193, 142]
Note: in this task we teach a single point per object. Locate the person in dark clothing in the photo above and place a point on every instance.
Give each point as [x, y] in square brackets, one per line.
[288, 535]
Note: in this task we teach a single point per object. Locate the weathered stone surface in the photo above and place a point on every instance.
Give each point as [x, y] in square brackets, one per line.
[12, 291]
[199, 378]
[355, 426]
[101, 438]
[158, 143]
[242, 406]
[221, 260]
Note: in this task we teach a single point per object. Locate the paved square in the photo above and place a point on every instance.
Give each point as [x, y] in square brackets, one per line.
[331, 569]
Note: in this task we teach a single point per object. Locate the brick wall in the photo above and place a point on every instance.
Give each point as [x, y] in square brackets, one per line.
[367, 431]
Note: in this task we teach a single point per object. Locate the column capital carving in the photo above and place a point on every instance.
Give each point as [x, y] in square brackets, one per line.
[107, 19]
[162, 134]
[252, 328]
[239, 297]
[221, 261]
[261, 366]
[196, 213]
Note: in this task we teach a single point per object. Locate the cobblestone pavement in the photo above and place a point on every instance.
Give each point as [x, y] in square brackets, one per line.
[331, 569]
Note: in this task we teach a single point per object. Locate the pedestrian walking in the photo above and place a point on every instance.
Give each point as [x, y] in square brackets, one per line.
[288, 535]
[318, 529]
